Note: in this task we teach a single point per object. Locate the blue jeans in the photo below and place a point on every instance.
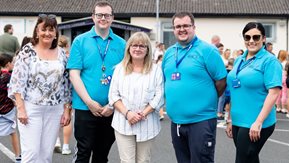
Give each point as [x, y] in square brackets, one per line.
[221, 103]
[195, 142]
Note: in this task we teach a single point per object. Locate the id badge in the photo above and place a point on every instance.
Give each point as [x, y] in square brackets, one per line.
[176, 76]
[236, 83]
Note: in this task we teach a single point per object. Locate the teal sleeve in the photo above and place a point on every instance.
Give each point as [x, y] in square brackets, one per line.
[272, 74]
[75, 60]
[215, 65]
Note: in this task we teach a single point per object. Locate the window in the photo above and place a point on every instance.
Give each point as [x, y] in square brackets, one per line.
[270, 31]
[168, 36]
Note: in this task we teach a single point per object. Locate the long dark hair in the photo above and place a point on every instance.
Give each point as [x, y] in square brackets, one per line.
[49, 21]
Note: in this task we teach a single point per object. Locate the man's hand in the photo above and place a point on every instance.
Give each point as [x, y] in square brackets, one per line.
[95, 108]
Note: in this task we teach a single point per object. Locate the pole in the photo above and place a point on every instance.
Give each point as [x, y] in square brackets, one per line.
[157, 21]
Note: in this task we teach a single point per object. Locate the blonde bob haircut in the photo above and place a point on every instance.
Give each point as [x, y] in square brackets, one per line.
[138, 37]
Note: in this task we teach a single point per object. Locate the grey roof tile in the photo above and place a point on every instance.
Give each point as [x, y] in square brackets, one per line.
[148, 7]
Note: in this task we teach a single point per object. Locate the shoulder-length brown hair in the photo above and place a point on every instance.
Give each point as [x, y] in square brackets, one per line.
[282, 55]
[127, 61]
[49, 21]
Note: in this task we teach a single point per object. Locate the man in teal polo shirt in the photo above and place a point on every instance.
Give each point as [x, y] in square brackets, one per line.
[195, 76]
[92, 59]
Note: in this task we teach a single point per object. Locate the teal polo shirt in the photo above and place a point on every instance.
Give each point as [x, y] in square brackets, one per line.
[193, 98]
[262, 74]
[85, 55]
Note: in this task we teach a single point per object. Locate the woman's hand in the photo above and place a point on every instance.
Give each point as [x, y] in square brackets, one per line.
[255, 131]
[65, 118]
[133, 117]
[21, 111]
[22, 115]
[229, 130]
[106, 111]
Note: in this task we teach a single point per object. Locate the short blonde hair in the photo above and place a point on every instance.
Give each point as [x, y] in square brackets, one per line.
[127, 61]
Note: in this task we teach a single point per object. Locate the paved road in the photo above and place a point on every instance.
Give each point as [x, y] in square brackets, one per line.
[276, 150]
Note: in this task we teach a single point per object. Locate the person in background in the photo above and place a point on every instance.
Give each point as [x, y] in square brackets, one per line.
[93, 57]
[255, 74]
[225, 56]
[221, 100]
[40, 87]
[160, 50]
[282, 98]
[215, 40]
[287, 84]
[7, 108]
[195, 76]
[237, 53]
[269, 47]
[227, 104]
[240, 52]
[9, 44]
[25, 41]
[220, 47]
[159, 62]
[63, 42]
[137, 94]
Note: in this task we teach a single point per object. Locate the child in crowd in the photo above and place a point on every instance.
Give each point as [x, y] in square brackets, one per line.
[7, 108]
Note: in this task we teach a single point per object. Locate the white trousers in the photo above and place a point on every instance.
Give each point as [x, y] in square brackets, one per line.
[131, 151]
[38, 137]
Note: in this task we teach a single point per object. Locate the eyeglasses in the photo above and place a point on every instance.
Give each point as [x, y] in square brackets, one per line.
[254, 37]
[184, 26]
[49, 16]
[100, 16]
[140, 46]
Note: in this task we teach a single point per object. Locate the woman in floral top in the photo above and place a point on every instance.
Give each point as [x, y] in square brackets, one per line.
[40, 87]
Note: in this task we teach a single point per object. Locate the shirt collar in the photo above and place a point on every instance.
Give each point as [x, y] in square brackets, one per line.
[94, 34]
[179, 46]
[259, 54]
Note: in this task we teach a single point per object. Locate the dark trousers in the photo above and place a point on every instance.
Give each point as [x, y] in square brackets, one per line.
[195, 142]
[246, 150]
[94, 135]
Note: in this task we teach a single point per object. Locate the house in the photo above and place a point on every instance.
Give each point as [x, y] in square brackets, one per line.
[225, 18]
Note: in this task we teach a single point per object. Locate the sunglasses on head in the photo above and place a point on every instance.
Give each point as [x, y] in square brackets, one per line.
[254, 37]
[49, 16]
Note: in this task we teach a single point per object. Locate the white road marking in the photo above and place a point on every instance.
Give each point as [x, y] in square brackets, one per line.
[283, 120]
[282, 130]
[7, 152]
[278, 142]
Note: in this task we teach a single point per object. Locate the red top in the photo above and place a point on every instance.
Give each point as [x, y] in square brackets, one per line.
[6, 104]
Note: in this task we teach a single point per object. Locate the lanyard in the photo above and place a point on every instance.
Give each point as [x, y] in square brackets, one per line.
[178, 62]
[245, 65]
[105, 52]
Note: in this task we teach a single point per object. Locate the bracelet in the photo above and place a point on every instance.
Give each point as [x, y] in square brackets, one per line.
[126, 114]
[67, 106]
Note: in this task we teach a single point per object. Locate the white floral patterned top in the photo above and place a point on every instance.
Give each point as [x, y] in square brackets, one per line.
[41, 82]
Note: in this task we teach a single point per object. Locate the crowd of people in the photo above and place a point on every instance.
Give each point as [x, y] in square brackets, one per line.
[104, 83]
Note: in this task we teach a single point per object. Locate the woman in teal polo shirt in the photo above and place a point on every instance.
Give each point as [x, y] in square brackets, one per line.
[254, 83]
